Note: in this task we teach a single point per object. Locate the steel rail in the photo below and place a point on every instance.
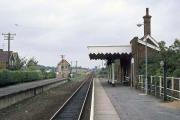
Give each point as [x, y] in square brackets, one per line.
[70, 98]
[87, 92]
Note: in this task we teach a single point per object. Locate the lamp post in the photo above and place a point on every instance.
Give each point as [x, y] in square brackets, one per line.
[163, 64]
[146, 64]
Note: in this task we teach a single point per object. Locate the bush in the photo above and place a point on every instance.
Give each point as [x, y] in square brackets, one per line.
[34, 75]
[12, 77]
[51, 75]
[176, 73]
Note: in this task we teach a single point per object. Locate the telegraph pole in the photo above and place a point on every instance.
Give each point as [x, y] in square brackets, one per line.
[8, 37]
[76, 65]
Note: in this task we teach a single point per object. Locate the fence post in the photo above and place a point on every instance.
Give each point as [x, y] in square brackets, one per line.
[160, 83]
[172, 85]
[155, 85]
[179, 88]
[151, 84]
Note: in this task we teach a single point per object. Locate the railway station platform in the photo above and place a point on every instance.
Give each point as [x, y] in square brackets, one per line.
[103, 108]
[25, 86]
[15, 93]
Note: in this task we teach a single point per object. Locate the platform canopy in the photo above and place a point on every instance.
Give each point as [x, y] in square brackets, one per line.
[109, 52]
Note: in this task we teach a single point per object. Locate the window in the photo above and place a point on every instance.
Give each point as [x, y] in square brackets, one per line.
[62, 67]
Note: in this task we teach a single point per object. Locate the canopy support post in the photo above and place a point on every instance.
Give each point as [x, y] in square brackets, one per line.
[113, 76]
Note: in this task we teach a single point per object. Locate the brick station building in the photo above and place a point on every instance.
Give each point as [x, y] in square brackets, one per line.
[5, 60]
[123, 61]
[63, 69]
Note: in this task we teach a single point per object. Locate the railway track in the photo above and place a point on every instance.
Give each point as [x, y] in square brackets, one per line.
[72, 109]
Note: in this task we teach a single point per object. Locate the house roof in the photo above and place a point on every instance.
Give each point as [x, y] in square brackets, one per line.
[63, 61]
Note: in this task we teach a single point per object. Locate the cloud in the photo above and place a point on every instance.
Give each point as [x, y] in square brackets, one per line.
[48, 28]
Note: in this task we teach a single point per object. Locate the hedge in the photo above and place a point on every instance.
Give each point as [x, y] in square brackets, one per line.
[12, 77]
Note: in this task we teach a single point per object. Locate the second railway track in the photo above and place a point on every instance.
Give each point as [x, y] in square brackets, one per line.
[72, 109]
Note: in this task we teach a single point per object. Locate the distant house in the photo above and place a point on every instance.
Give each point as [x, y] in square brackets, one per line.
[4, 59]
[63, 69]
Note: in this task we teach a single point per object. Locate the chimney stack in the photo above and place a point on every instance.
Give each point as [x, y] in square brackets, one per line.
[147, 23]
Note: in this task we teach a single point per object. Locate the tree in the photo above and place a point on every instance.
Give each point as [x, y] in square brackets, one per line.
[172, 56]
[19, 63]
[32, 64]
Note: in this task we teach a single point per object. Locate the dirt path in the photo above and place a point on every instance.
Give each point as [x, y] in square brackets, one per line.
[174, 104]
[40, 107]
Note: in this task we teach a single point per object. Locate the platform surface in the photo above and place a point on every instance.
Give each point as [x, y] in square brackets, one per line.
[24, 86]
[103, 108]
[132, 104]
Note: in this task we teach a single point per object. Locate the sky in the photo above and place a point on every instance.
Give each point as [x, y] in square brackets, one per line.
[47, 29]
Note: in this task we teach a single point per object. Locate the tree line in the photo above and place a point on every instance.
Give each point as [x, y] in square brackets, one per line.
[25, 70]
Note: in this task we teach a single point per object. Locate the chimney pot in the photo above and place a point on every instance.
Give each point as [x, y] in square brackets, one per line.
[147, 23]
[147, 11]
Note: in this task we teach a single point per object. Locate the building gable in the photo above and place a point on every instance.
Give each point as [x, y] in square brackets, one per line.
[151, 42]
[64, 62]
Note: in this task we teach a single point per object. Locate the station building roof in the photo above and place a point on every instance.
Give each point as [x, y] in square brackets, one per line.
[108, 52]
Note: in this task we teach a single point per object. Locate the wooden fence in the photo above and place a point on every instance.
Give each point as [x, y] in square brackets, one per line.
[155, 86]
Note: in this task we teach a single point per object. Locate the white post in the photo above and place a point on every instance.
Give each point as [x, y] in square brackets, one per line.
[146, 81]
[155, 88]
[113, 73]
[142, 82]
[132, 71]
[151, 82]
[151, 79]
[179, 87]
[160, 83]
[139, 82]
[172, 83]
[131, 75]
[110, 74]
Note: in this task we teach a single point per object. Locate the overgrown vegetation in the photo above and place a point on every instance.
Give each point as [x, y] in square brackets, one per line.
[169, 54]
[102, 73]
[12, 77]
[78, 76]
[24, 71]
